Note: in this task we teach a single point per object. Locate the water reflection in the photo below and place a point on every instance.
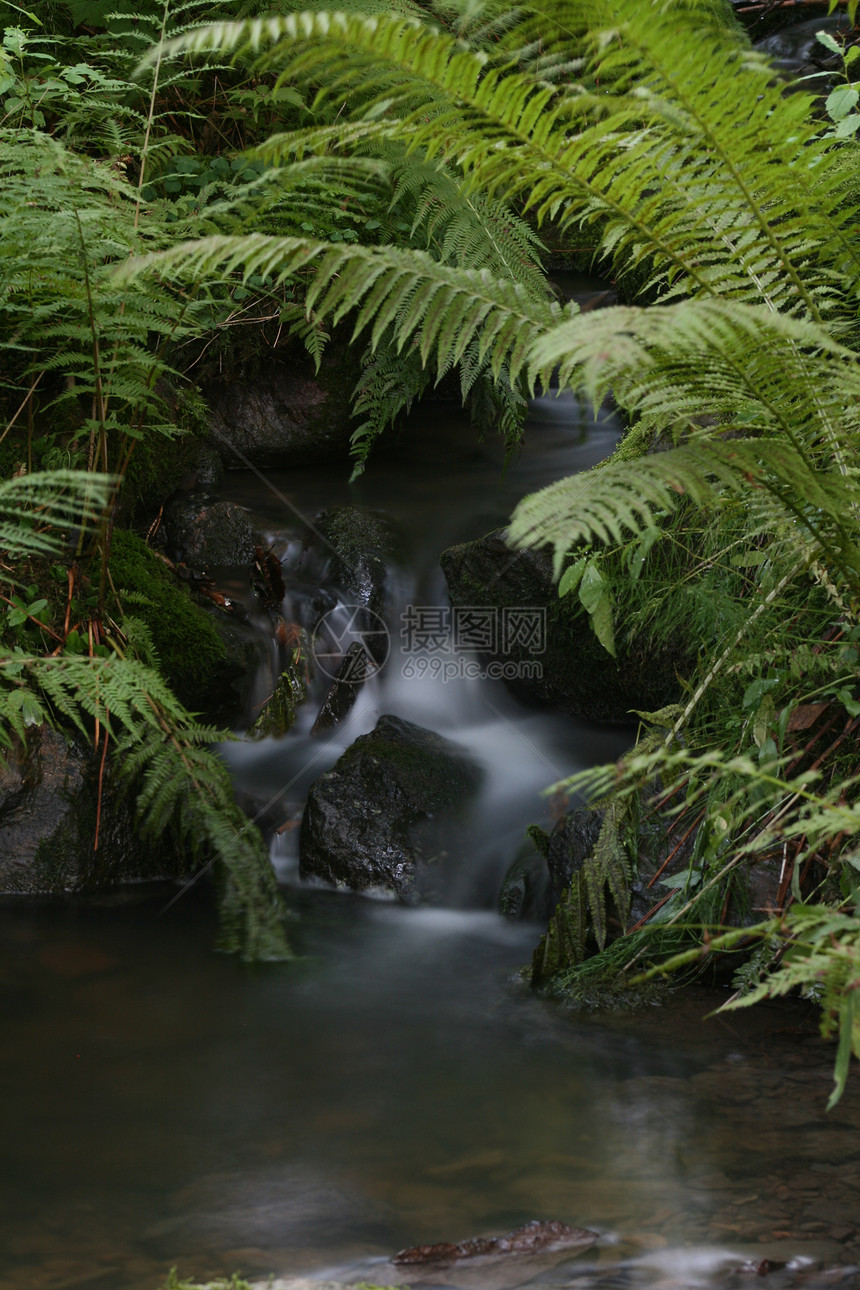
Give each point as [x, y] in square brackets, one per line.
[394, 1087]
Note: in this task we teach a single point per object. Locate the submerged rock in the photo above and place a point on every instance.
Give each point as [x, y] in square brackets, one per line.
[563, 665]
[528, 1239]
[380, 818]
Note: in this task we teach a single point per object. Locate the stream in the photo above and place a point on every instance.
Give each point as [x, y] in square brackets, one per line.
[398, 1084]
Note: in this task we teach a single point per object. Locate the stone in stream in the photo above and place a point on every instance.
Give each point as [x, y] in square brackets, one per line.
[529, 1239]
[278, 714]
[489, 1262]
[360, 543]
[383, 816]
[202, 532]
[49, 796]
[343, 691]
[568, 669]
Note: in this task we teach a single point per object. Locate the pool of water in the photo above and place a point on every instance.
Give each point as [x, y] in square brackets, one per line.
[397, 1085]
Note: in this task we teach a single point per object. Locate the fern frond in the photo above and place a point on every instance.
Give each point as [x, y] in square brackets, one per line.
[608, 503]
[408, 291]
[689, 159]
[164, 753]
[38, 511]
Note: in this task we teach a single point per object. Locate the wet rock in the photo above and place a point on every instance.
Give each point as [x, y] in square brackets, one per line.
[344, 689]
[202, 532]
[381, 817]
[531, 1238]
[280, 709]
[48, 810]
[526, 891]
[563, 665]
[571, 842]
[360, 543]
[285, 414]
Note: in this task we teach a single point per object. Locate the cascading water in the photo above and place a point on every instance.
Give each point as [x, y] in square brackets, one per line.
[440, 487]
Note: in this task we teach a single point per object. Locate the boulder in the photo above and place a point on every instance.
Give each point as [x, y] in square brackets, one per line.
[383, 817]
[564, 666]
[285, 414]
[48, 808]
[202, 532]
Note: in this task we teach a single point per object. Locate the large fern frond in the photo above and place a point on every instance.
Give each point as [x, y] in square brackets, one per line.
[685, 154]
[445, 308]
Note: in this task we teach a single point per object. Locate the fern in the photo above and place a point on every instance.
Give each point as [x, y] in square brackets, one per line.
[162, 752]
[181, 787]
[409, 291]
[581, 910]
[38, 512]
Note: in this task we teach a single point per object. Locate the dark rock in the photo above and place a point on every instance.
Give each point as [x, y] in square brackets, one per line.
[382, 817]
[48, 810]
[571, 842]
[569, 669]
[202, 532]
[526, 892]
[205, 471]
[344, 689]
[360, 543]
[286, 414]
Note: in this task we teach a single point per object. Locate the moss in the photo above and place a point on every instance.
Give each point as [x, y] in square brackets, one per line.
[435, 779]
[191, 652]
[279, 713]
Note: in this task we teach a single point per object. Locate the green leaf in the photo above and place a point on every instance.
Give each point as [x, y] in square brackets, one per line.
[824, 38]
[571, 577]
[757, 689]
[602, 622]
[850, 704]
[592, 587]
[841, 101]
[849, 1016]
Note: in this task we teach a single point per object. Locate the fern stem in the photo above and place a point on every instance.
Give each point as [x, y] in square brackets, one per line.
[144, 153]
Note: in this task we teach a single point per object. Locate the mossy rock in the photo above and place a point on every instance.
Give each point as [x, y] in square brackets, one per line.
[569, 669]
[281, 708]
[192, 655]
[390, 812]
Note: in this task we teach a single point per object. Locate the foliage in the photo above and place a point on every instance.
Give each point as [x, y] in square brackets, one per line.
[657, 130]
[114, 699]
